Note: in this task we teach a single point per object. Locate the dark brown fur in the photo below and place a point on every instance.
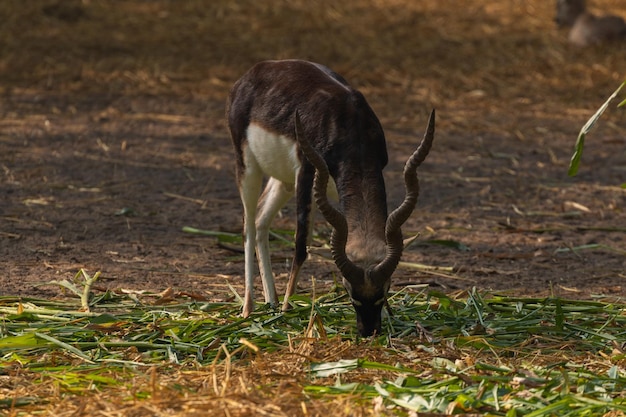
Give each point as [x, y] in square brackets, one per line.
[351, 132]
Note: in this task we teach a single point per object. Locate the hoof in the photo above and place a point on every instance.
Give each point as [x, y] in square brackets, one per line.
[248, 307]
[286, 306]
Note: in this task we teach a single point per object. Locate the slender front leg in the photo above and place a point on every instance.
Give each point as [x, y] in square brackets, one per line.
[303, 228]
[275, 196]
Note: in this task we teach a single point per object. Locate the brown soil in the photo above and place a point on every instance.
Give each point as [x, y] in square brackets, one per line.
[112, 139]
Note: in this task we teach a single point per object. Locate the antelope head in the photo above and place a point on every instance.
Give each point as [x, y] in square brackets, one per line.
[367, 286]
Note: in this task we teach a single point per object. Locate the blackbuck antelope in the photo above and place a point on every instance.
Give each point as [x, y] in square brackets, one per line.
[587, 28]
[298, 123]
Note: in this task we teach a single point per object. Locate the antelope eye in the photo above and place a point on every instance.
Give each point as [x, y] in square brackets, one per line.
[356, 302]
[379, 302]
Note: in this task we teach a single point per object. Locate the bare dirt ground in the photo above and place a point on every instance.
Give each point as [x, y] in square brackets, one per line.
[112, 139]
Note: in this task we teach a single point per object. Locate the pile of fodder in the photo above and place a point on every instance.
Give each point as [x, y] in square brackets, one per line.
[471, 353]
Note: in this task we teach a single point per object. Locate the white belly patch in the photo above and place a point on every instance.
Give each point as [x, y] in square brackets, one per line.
[275, 154]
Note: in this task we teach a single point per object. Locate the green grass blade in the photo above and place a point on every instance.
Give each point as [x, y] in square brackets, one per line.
[223, 237]
[65, 346]
[580, 142]
[322, 370]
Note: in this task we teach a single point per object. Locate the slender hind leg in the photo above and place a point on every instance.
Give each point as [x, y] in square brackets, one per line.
[275, 196]
[250, 185]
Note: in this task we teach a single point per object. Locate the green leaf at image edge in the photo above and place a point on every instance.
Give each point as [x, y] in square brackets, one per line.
[580, 142]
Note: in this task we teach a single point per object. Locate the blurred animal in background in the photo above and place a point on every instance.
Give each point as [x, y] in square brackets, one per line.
[586, 28]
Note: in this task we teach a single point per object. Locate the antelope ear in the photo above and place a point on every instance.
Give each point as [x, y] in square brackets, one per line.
[409, 241]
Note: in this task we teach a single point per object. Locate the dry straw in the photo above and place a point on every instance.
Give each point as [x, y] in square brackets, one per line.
[439, 354]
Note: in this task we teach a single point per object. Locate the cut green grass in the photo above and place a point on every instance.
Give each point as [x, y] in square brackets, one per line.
[477, 353]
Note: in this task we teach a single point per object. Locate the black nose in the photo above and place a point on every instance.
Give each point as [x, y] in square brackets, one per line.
[368, 318]
[367, 328]
[369, 332]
